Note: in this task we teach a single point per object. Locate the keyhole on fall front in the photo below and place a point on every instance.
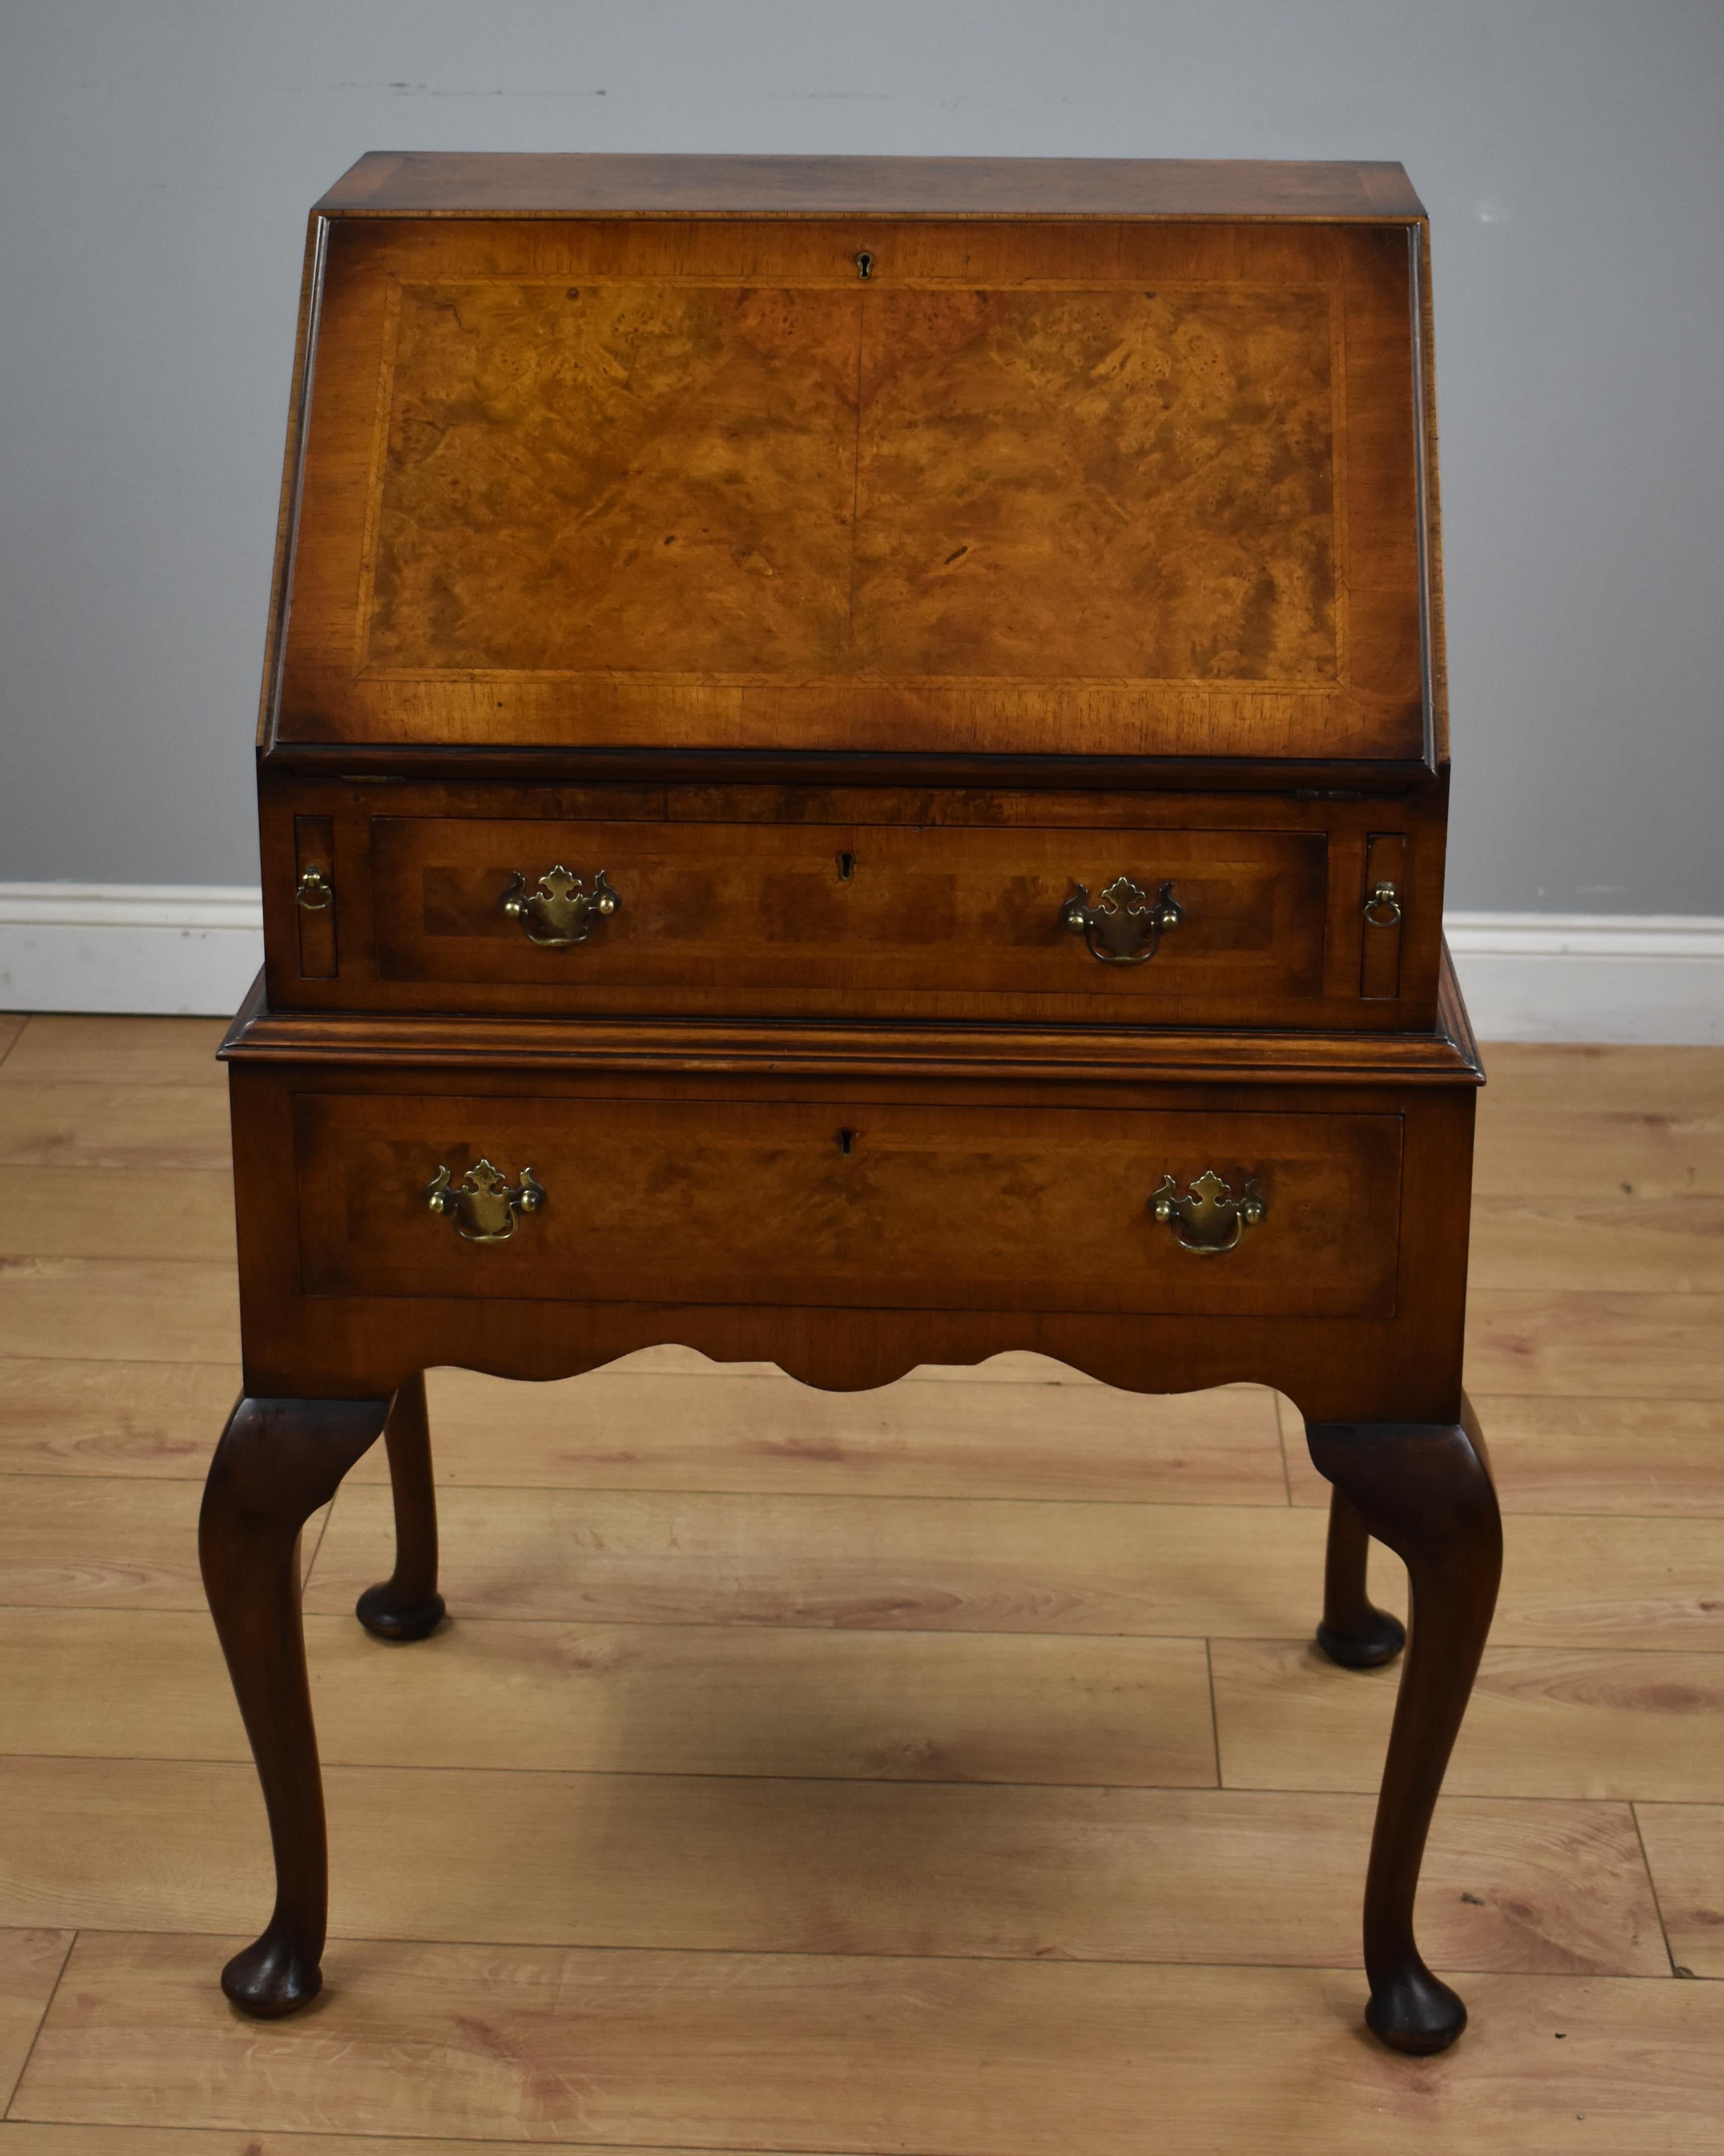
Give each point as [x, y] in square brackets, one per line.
[846, 867]
[847, 1142]
[865, 265]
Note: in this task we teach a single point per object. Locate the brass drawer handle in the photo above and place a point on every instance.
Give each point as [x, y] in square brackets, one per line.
[1209, 1220]
[315, 891]
[1383, 909]
[484, 1204]
[1126, 924]
[561, 912]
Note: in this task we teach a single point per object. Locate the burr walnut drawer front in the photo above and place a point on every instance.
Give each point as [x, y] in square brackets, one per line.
[876, 920]
[782, 1200]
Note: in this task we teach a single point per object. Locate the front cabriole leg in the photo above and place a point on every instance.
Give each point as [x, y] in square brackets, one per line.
[279, 1460]
[1424, 1489]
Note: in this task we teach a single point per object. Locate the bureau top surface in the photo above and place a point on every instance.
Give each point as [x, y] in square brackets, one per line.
[457, 183]
[1029, 458]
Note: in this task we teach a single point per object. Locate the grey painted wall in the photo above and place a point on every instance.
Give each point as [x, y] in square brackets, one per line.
[157, 156]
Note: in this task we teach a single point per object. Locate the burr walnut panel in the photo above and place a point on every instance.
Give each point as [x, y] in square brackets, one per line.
[647, 477]
[919, 1206]
[1105, 489]
[1096, 485]
[671, 479]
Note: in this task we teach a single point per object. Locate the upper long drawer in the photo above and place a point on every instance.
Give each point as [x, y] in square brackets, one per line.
[1028, 487]
[840, 902]
[898, 921]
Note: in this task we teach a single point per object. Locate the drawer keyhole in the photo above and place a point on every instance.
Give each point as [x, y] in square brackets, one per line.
[847, 1142]
[846, 867]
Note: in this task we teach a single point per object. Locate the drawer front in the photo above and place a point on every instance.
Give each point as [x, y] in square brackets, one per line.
[919, 921]
[885, 1206]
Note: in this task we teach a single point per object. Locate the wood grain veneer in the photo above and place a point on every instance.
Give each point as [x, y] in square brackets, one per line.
[551, 476]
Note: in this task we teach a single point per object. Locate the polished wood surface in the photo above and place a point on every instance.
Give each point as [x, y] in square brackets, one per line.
[776, 1201]
[915, 921]
[407, 1605]
[685, 488]
[1426, 1493]
[444, 183]
[784, 483]
[278, 1461]
[997, 1055]
[314, 1323]
[1353, 1630]
[1197, 535]
[855, 903]
[128, 1805]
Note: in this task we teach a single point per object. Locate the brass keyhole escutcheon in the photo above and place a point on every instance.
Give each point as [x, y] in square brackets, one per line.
[865, 265]
[315, 891]
[1209, 1220]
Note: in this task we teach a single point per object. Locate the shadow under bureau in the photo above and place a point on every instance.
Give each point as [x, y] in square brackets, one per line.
[852, 773]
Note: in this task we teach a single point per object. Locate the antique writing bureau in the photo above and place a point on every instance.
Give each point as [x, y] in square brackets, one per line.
[852, 772]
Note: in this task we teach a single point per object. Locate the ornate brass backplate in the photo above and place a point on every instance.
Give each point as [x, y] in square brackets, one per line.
[1126, 925]
[484, 1203]
[1209, 1220]
[561, 910]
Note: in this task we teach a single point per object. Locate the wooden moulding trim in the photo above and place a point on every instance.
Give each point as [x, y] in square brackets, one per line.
[1452, 1019]
[802, 1048]
[564, 184]
[1435, 635]
[1422, 480]
[646, 767]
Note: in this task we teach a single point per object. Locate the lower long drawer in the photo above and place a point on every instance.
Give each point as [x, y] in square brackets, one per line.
[900, 1206]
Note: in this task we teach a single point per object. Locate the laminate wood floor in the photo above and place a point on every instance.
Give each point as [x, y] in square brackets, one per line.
[944, 1770]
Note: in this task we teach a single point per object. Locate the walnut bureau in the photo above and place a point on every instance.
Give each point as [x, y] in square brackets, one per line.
[853, 772]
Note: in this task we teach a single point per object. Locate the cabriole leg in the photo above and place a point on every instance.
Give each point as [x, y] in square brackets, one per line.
[1426, 1489]
[277, 1462]
[407, 1605]
[1354, 1631]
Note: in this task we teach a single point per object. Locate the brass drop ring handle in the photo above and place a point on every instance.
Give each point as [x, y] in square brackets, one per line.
[561, 910]
[1125, 926]
[484, 1204]
[1383, 908]
[1209, 1221]
[315, 891]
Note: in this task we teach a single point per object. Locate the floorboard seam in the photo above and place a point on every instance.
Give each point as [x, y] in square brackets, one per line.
[1341, 1969]
[42, 2017]
[1214, 1713]
[1676, 1968]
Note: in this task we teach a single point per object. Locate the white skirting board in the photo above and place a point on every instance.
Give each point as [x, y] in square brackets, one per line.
[1645, 978]
[189, 948]
[161, 947]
